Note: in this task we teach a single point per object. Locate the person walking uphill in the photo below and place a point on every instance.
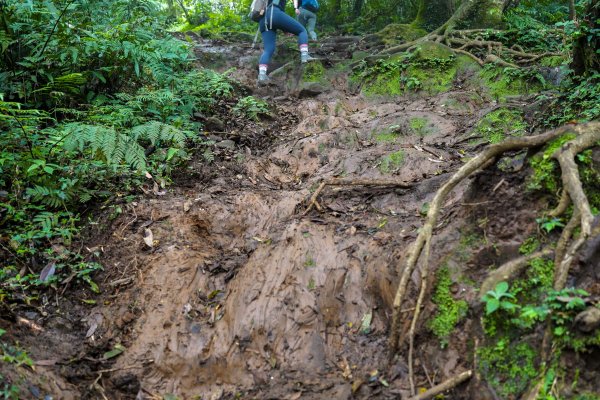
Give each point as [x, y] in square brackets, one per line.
[273, 19]
[306, 11]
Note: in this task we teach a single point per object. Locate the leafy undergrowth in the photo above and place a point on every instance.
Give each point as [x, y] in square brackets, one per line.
[59, 159]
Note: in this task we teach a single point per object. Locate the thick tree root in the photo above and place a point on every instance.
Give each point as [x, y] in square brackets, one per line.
[470, 43]
[588, 134]
[510, 270]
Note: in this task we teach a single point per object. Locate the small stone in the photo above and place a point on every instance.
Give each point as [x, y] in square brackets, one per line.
[226, 144]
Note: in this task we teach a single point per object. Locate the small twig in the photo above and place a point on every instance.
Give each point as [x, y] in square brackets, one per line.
[502, 181]
[442, 387]
[123, 281]
[427, 375]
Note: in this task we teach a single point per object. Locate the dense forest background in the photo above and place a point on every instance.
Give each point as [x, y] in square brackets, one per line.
[103, 100]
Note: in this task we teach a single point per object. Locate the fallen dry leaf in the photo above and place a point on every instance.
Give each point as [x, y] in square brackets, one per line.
[148, 238]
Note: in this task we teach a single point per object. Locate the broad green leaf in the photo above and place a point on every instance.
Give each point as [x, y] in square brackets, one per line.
[491, 305]
[501, 288]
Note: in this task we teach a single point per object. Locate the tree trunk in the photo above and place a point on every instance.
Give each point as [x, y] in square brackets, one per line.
[185, 12]
[335, 11]
[585, 58]
[476, 14]
[433, 14]
[357, 9]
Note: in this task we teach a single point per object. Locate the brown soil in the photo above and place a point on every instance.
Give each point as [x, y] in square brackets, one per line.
[241, 295]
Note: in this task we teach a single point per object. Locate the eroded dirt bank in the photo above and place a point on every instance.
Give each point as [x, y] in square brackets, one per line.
[242, 295]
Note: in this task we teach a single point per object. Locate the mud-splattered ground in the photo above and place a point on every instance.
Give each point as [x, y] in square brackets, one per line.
[241, 295]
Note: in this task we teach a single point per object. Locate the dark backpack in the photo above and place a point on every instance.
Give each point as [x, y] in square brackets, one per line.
[257, 9]
[310, 5]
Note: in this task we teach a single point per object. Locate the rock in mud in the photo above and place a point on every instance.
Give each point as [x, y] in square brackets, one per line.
[588, 320]
[226, 144]
[311, 89]
[214, 124]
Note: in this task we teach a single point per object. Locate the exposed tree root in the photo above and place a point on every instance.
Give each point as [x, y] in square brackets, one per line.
[588, 134]
[510, 270]
[469, 42]
[444, 386]
[562, 206]
[352, 182]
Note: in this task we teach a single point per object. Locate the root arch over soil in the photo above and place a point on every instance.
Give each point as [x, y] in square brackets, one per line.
[587, 136]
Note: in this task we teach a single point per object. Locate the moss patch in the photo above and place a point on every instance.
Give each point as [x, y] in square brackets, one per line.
[503, 82]
[499, 124]
[449, 310]
[433, 51]
[386, 137]
[314, 72]
[545, 169]
[398, 33]
[553, 61]
[508, 367]
[391, 162]
[419, 126]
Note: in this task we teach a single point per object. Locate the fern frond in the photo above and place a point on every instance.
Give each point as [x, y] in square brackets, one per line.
[157, 132]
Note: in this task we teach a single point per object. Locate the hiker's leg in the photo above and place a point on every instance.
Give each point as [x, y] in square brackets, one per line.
[302, 17]
[310, 25]
[269, 37]
[288, 24]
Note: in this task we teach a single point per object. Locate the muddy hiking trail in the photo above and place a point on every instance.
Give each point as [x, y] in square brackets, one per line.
[240, 282]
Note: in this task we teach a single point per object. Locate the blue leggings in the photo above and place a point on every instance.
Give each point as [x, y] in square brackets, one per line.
[280, 21]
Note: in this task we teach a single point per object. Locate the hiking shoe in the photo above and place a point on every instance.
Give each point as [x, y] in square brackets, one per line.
[263, 79]
[305, 57]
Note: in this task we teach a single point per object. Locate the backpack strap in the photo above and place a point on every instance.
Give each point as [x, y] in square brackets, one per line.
[274, 3]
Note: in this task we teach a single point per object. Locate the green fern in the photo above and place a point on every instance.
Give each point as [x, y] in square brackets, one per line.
[48, 196]
[116, 148]
[157, 132]
[105, 144]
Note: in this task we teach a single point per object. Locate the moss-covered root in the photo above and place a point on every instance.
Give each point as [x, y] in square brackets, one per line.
[423, 240]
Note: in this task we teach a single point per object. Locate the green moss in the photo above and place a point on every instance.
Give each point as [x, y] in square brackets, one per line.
[391, 162]
[503, 82]
[508, 367]
[431, 69]
[314, 72]
[495, 126]
[530, 245]
[553, 61]
[398, 33]
[587, 396]
[546, 172]
[419, 126]
[433, 51]
[386, 137]
[449, 310]
[545, 169]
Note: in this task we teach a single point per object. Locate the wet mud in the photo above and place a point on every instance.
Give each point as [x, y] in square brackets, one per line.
[241, 295]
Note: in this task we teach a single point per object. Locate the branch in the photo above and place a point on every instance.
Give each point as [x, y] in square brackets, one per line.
[64, 10]
[442, 387]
